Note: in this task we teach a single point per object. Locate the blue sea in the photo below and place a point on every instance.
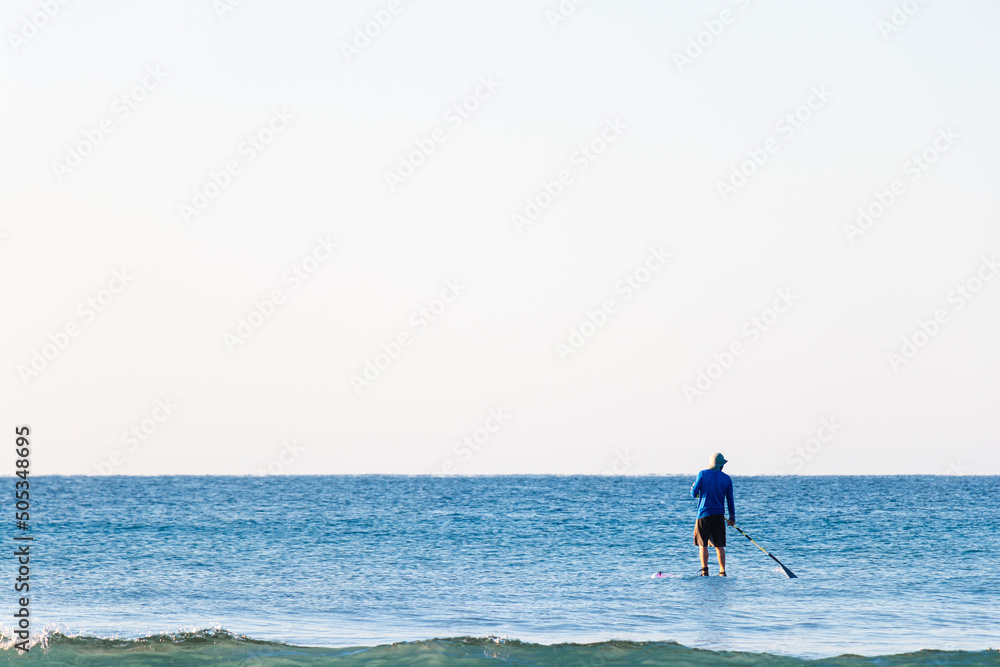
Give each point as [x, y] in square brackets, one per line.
[532, 570]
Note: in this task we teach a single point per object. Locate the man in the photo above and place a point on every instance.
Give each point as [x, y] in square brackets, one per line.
[712, 486]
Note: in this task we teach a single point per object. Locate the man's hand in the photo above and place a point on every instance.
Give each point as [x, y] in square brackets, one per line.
[731, 522]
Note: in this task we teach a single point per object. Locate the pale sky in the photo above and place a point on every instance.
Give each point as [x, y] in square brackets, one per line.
[557, 270]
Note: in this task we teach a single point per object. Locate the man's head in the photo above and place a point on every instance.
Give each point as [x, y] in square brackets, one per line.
[718, 460]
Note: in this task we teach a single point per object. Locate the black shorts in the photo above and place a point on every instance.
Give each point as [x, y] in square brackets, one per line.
[710, 531]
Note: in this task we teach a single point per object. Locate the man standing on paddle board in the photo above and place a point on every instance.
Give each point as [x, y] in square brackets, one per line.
[712, 485]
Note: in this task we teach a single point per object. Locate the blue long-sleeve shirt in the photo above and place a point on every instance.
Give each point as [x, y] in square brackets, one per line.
[713, 485]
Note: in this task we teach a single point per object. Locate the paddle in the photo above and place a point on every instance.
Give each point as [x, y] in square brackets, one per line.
[791, 575]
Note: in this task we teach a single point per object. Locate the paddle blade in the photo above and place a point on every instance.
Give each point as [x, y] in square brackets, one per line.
[788, 573]
[791, 575]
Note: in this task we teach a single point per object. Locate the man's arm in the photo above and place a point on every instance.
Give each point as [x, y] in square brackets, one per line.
[696, 487]
[732, 505]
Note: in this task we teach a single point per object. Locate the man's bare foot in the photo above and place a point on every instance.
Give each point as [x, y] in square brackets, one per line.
[722, 573]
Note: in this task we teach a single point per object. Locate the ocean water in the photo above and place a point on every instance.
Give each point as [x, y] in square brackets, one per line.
[534, 570]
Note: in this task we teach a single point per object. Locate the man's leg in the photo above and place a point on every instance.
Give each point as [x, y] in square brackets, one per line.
[703, 555]
[721, 553]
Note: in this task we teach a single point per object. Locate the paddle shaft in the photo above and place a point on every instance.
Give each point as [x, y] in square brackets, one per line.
[791, 575]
